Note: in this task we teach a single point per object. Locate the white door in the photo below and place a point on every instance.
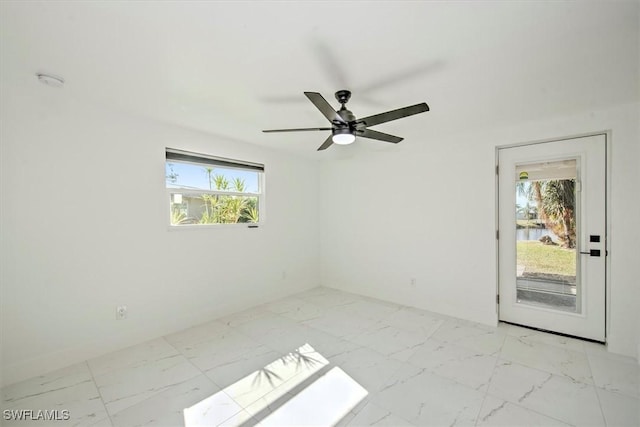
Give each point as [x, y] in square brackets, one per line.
[552, 235]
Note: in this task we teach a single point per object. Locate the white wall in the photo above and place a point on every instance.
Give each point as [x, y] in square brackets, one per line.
[85, 228]
[423, 209]
[426, 209]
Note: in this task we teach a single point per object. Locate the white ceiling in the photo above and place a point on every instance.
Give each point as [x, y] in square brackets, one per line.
[234, 68]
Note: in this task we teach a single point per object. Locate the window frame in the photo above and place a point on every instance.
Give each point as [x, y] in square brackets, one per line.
[238, 164]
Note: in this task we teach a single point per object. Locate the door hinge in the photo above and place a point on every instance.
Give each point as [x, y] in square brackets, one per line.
[497, 168]
[497, 299]
[497, 234]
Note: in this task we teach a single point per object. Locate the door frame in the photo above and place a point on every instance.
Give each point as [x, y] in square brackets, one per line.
[608, 157]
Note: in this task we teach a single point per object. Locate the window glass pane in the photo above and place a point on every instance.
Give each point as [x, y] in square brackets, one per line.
[546, 235]
[189, 209]
[207, 177]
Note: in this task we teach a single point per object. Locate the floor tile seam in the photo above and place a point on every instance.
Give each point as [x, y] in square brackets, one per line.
[278, 315]
[493, 372]
[313, 304]
[257, 341]
[564, 377]
[391, 412]
[360, 406]
[398, 307]
[320, 330]
[551, 344]
[614, 358]
[242, 333]
[600, 406]
[267, 345]
[470, 348]
[374, 299]
[619, 393]
[189, 361]
[335, 336]
[300, 321]
[390, 356]
[233, 329]
[242, 408]
[533, 333]
[395, 371]
[160, 390]
[370, 329]
[467, 347]
[484, 398]
[317, 300]
[557, 347]
[432, 372]
[595, 389]
[279, 300]
[378, 353]
[519, 405]
[153, 394]
[410, 330]
[104, 405]
[16, 402]
[183, 349]
[366, 298]
[331, 311]
[246, 335]
[436, 329]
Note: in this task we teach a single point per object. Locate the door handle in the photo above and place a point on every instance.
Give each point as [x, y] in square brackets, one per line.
[592, 252]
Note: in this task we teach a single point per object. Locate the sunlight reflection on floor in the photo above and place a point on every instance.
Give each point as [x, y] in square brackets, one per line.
[268, 395]
[323, 403]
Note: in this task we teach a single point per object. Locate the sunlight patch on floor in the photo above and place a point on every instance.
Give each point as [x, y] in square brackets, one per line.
[323, 403]
[267, 394]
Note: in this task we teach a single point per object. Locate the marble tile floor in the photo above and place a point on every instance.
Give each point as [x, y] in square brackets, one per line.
[325, 357]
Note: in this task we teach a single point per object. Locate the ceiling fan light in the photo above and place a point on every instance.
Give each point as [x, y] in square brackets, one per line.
[343, 137]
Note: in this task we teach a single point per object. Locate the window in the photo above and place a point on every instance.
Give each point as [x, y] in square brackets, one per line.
[204, 190]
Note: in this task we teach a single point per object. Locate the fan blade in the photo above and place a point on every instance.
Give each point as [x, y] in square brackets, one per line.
[326, 144]
[325, 108]
[294, 130]
[394, 114]
[372, 134]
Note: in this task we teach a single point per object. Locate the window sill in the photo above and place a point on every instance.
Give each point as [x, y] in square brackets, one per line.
[253, 226]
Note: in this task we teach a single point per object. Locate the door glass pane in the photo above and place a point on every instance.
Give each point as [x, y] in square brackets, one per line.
[546, 235]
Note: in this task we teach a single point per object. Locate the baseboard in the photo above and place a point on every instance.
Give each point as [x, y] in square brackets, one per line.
[445, 310]
[49, 362]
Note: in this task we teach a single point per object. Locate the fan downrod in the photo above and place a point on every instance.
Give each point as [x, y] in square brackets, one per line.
[343, 96]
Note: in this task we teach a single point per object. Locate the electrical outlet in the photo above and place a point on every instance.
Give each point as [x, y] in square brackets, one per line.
[412, 282]
[121, 312]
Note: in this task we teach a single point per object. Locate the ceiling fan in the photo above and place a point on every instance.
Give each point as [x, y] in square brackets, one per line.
[344, 125]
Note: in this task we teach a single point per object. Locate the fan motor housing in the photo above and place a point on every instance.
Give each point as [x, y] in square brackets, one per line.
[343, 96]
[346, 115]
